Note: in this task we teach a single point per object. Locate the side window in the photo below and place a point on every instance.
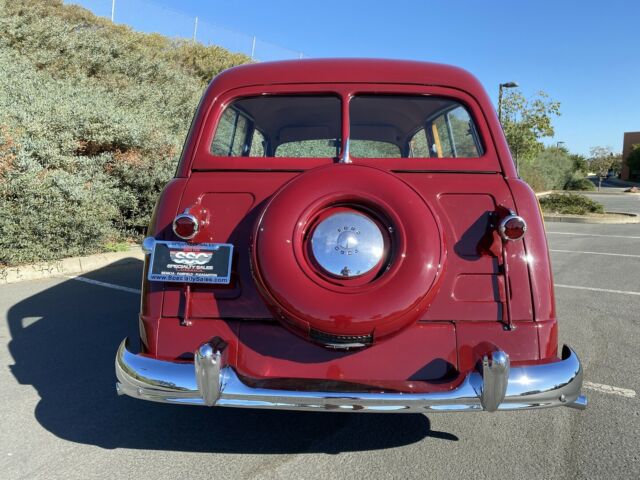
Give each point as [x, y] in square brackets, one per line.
[257, 144]
[374, 149]
[231, 134]
[454, 135]
[441, 137]
[419, 145]
[308, 148]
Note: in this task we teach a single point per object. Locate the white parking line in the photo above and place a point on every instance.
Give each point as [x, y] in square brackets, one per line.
[104, 284]
[599, 387]
[593, 289]
[595, 253]
[593, 235]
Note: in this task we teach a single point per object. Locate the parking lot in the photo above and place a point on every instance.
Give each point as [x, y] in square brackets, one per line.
[61, 417]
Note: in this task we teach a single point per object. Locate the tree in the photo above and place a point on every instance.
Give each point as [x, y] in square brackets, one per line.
[526, 121]
[602, 160]
[580, 164]
[633, 161]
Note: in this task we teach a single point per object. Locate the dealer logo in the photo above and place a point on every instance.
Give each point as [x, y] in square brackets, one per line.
[190, 258]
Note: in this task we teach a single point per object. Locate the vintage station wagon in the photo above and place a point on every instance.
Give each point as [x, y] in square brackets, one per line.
[348, 235]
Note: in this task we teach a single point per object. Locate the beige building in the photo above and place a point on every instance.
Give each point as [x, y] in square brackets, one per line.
[630, 139]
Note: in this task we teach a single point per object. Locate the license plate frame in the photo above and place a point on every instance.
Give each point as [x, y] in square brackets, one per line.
[182, 262]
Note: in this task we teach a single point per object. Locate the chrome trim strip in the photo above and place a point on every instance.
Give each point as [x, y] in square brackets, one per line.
[498, 387]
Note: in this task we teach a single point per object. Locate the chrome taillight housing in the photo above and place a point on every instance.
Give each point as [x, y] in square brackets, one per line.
[512, 227]
[186, 226]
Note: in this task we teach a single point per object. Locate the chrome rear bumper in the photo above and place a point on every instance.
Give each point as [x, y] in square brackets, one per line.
[210, 381]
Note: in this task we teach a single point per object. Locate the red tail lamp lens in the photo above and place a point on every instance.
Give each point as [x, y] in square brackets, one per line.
[185, 226]
[513, 227]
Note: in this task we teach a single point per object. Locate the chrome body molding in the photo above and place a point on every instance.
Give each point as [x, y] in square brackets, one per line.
[210, 381]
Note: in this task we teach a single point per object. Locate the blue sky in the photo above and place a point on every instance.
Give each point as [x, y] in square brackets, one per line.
[585, 54]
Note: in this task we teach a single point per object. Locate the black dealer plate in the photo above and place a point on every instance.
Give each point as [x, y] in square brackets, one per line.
[188, 263]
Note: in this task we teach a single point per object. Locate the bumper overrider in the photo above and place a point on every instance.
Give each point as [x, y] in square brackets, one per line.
[210, 381]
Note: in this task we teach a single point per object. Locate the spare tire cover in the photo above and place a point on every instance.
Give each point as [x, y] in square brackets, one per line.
[335, 215]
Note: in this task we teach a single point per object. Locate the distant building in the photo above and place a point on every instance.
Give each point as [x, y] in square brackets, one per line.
[630, 139]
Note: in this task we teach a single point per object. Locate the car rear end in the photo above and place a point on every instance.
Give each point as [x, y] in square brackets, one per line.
[348, 235]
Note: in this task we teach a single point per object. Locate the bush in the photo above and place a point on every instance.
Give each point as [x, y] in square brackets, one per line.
[93, 119]
[551, 169]
[570, 204]
[578, 182]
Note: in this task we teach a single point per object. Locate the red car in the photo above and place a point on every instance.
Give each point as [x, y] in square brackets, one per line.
[348, 235]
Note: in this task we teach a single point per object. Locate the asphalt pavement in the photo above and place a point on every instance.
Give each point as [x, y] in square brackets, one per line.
[60, 416]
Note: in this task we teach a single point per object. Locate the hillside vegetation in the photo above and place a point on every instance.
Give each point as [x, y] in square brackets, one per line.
[92, 119]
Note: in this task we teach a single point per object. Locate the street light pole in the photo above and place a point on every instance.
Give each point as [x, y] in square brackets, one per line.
[113, 9]
[195, 30]
[503, 85]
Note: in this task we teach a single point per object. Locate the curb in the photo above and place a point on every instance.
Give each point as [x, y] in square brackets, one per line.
[68, 266]
[625, 218]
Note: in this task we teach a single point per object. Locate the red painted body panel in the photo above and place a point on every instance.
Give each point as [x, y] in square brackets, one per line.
[447, 335]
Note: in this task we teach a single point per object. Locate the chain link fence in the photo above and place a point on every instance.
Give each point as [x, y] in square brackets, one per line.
[147, 16]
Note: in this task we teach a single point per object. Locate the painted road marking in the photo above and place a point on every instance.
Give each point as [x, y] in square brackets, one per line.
[595, 253]
[103, 284]
[593, 235]
[593, 289]
[598, 387]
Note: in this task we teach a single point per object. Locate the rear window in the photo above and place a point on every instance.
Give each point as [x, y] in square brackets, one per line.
[280, 126]
[395, 126]
[381, 126]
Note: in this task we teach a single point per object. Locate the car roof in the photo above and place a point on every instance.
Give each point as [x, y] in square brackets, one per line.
[347, 70]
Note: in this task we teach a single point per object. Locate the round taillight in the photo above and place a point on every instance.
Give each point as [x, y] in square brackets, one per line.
[512, 227]
[185, 226]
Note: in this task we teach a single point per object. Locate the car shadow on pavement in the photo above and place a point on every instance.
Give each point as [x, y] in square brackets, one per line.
[63, 342]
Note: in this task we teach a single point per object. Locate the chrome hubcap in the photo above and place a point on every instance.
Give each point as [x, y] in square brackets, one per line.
[347, 244]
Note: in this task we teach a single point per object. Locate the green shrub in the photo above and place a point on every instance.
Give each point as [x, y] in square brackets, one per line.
[551, 169]
[94, 116]
[569, 204]
[578, 182]
[533, 177]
